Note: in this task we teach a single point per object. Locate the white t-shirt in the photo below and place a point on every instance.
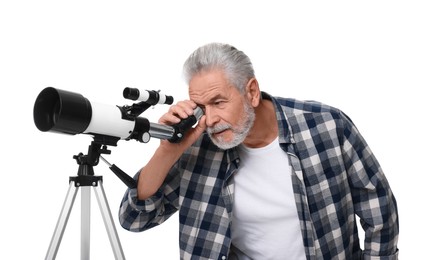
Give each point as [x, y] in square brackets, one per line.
[265, 221]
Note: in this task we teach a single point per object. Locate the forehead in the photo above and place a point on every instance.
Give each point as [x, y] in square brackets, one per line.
[208, 85]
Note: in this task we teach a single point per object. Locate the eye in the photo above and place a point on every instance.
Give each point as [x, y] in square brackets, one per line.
[219, 101]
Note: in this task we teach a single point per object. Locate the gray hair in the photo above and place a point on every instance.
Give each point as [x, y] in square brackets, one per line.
[235, 64]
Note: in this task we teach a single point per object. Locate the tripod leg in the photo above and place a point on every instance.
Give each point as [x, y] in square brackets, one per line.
[62, 222]
[108, 221]
[85, 232]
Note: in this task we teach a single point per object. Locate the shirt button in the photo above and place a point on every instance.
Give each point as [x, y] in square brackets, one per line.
[223, 257]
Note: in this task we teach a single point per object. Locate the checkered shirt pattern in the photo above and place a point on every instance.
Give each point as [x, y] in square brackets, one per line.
[335, 177]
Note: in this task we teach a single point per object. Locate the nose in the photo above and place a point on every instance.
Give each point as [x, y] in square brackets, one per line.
[211, 116]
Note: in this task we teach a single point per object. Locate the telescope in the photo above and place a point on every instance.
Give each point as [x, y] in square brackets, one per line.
[66, 112]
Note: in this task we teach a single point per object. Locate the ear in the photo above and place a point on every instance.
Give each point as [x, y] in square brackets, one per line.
[253, 92]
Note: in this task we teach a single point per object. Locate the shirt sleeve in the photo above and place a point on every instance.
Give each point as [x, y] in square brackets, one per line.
[373, 199]
[139, 215]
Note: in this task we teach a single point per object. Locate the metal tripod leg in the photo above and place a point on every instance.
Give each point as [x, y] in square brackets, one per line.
[62, 222]
[85, 219]
[108, 221]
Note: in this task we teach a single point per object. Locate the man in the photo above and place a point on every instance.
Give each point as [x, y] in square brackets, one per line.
[262, 177]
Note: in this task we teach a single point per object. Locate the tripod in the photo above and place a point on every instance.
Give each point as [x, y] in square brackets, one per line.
[84, 180]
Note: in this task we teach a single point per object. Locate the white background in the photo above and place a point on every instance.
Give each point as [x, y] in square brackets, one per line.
[373, 59]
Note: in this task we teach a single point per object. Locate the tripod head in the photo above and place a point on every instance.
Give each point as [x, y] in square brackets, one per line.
[86, 162]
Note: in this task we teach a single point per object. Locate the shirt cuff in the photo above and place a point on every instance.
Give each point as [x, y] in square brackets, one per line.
[387, 257]
[148, 205]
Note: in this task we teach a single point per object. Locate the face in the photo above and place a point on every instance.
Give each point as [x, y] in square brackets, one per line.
[229, 115]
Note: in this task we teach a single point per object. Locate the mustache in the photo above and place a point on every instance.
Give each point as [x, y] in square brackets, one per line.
[218, 128]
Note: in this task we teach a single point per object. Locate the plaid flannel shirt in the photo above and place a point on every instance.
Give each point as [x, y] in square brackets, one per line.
[335, 177]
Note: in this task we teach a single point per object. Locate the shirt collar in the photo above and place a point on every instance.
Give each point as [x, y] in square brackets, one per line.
[285, 128]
